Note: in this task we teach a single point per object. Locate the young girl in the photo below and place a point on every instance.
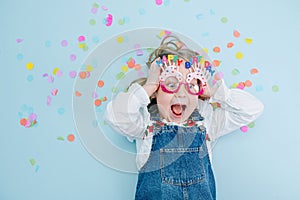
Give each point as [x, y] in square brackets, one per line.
[175, 115]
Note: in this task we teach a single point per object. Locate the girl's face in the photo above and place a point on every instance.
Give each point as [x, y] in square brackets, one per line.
[176, 107]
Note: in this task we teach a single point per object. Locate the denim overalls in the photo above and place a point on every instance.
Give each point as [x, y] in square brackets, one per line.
[178, 166]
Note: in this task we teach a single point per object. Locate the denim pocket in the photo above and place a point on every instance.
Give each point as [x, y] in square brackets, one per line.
[182, 166]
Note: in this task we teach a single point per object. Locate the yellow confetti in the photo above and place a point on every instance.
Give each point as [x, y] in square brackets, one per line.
[55, 70]
[124, 68]
[89, 68]
[81, 46]
[30, 66]
[205, 50]
[120, 39]
[239, 55]
[162, 33]
[248, 40]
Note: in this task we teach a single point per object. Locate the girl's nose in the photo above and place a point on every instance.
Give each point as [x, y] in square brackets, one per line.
[182, 91]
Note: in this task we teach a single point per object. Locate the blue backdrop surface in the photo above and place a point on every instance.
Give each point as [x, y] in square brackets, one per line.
[43, 49]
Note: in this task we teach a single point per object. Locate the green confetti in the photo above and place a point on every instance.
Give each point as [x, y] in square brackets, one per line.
[32, 161]
[275, 88]
[60, 138]
[95, 5]
[224, 20]
[235, 72]
[114, 89]
[251, 125]
[92, 22]
[120, 75]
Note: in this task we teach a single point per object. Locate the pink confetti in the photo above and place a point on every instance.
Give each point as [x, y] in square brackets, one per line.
[19, 40]
[50, 79]
[81, 38]
[59, 73]
[94, 95]
[73, 57]
[94, 10]
[104, 8]
[244, 129]
[64, 43]
[72, 74]
[158, 2]
[109, 20]
[48, 101]
[54, 92]
[45, 75]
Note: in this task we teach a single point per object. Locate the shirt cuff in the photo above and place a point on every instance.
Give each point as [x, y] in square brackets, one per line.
[140, 94]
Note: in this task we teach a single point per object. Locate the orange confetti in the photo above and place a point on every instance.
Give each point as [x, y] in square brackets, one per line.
[100, 83]
[248, 83]
[216, 63]
[82, 75]
[236, 34]
[254, 71]
[23, 121]
[77, 94]
[230, 44]
[97, 102]
[104, 98]
[131, 63]
[71, 137]
[137, 67]
[217, 49]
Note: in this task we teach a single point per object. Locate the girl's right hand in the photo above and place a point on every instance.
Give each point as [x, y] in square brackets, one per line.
[152, 82]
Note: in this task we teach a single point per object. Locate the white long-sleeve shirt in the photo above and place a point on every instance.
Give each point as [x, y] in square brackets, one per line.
[128, 114]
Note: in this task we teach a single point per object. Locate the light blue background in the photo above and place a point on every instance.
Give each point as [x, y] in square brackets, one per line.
[260, 164]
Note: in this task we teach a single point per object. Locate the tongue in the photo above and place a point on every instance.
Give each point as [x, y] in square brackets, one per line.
[177, 109]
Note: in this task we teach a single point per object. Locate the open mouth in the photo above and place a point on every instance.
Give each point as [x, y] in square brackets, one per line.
[178, 110]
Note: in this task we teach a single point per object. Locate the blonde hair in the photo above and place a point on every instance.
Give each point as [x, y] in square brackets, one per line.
[170, 44]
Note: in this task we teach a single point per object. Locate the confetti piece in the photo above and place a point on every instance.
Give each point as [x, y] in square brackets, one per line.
[71, 138]
[37, 168]
[82, 75]
[48, 43]
[216, 63]
[64, 43]
[92, 22]
[120, 75]
[54, 92]
[73, 57]
[124, 68]
[275, 88]
[259, 88]
[131, 62]
[138, 49]
[72, 74]
[230, 45]
[29, 66]
[224, 20]
[254, 71]
[100, 83]
[77, 94]
[55, 70]
[219, 76]
[61, 111]
[94, 95]
[200, 16]
[137, 67]
[32, 161]
[158, 2]
[239, 55]
[97, 102]
[29, 78]
[236, 34]
[248, 41]
[104, 8]
[81, 38]
[235, 72]
[50, 79]
[94, 10]
[251, 125]
[32, 117]
[248, 83]
[95, 5]
[216, 49]
[244, 129]
[19, 40]
[142, 11]
[20, 56]
[120, 39]
[241, 85]
[48, 101]
[89, 68]
[60, 138]
[109, 20]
